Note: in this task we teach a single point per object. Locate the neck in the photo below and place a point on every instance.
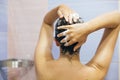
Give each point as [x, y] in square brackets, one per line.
[74, 56]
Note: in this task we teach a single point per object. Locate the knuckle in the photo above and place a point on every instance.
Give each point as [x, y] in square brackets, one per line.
[70, 35]
[74, 40]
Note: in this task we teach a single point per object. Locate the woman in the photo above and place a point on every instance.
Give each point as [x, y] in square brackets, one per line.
[67, 68]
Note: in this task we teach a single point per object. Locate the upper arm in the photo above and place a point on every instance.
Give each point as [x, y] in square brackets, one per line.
[46, 36]
[105, 50]
[44, 46]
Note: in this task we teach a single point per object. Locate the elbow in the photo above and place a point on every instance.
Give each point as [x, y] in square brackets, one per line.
[47, 21]
[117, 13]
[115, 18]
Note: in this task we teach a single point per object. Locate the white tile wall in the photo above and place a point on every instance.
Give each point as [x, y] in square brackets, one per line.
[3, 29]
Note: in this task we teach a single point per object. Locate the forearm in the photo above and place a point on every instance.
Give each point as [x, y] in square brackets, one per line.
[108, 20]
[105, 50]
[51, 16]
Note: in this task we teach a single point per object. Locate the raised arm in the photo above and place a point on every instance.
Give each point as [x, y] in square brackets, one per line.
[44, 46]
[111, 23]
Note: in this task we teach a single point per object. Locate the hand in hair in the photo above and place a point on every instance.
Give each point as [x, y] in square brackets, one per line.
[75, 33]
[79, 32]
[60, 12]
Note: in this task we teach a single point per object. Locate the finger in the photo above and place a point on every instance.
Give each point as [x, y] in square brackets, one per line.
[77, 46]
[65, 16]
[70, 42]
[63, 33]
[75, 17]
[80, 20]
[70, 19]
[65, 27]
[67, 38]
[60, 13]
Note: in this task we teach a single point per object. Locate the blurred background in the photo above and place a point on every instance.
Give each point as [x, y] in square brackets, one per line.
[20, 22]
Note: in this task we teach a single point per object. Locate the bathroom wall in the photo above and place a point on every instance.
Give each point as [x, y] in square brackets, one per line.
[89, 9]
[3, 30]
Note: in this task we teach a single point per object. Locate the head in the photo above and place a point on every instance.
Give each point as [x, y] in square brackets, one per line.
[65, 49]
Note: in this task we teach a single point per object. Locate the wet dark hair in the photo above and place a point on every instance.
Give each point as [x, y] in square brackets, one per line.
[61, 22]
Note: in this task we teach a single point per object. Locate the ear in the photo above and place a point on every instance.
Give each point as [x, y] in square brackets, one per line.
[57, 43]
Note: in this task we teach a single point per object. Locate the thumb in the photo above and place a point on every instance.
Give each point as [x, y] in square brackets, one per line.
[60, 13]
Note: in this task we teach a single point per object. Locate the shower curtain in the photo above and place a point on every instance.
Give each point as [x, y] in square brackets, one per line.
[24, 21]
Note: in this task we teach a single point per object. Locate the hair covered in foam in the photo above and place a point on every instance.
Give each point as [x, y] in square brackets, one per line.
[61, 22]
